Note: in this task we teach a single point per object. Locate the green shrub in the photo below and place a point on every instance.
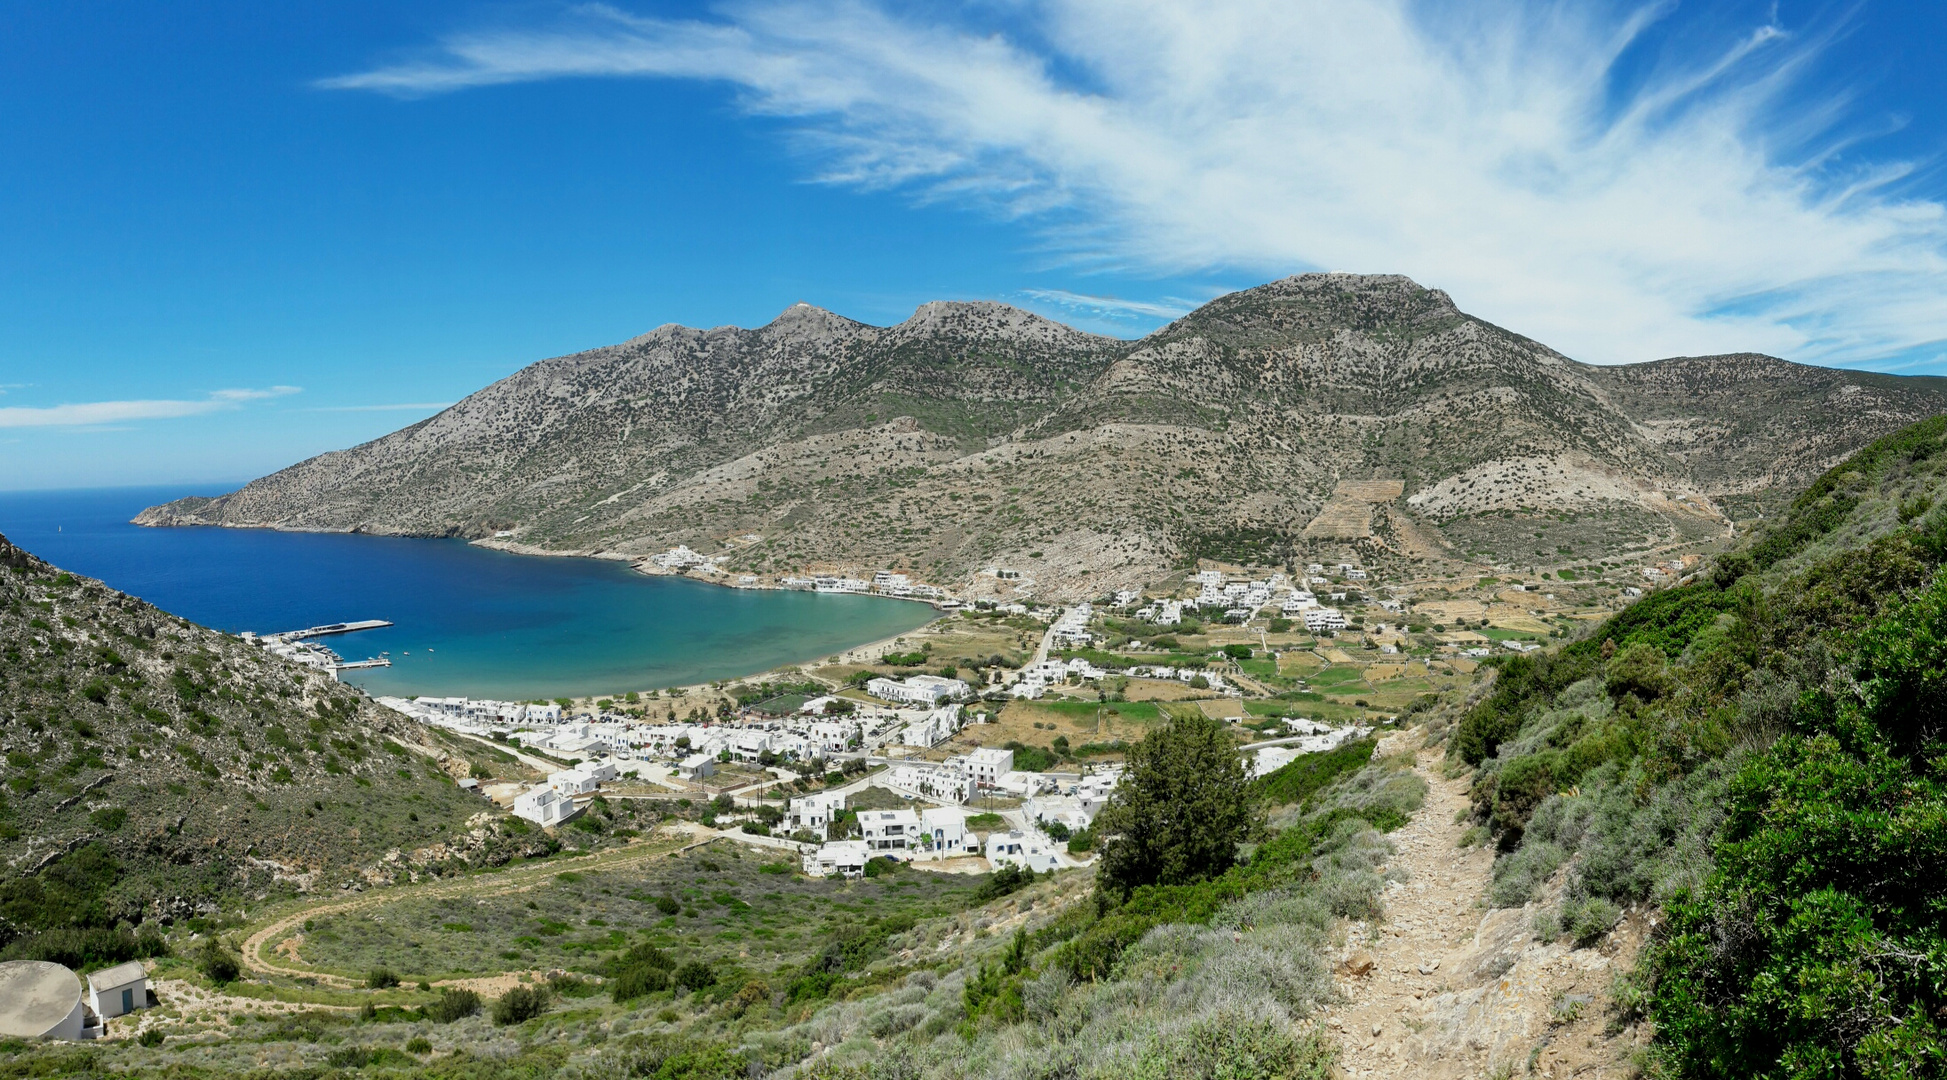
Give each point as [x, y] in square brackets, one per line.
[150, 1037]
[217, 964]
[1008, 879]
[453, 1003]
[1304, 776]
[1814, 948]
[519, 1005]
[380, 979]
[695, 975]
[635, 982]
[1236, 1048]
[419, 1044]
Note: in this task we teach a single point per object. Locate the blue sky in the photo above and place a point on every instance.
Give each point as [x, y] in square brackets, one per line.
[235, 235]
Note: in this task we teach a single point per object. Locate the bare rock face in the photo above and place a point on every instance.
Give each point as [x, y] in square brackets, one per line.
[974, 435]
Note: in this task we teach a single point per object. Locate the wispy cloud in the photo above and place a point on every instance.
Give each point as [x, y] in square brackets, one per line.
[1110, 307]
[1495, 149]
[99, 413]
[404, 406]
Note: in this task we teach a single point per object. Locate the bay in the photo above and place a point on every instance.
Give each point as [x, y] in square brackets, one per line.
[467, 620]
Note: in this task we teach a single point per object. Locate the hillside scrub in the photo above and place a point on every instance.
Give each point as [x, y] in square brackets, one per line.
[1760, 753]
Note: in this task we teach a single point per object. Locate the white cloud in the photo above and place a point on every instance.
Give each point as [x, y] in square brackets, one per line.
[1507, 151]
[98, 413]
[1110, 307]
[404, 406]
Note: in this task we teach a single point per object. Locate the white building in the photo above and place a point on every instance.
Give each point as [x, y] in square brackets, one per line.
[985, 766]
[583, 778]
[831, 738]
[813, 812]
[1027, 849]
[845, 858]
[748, 744]
[1324, 618]
[936, 727]
[1071, 629]
[543, 806]
[889, 830]
[1024, 784]
[927, 690]
[1064, 809]
[945, 830]
[1092, 794]
[121, 989]
[697, 767]
[679, 557]
[935, 783]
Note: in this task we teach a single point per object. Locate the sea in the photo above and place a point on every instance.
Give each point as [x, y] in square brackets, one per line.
[467, 621]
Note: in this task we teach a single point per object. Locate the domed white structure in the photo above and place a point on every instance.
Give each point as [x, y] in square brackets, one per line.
[39, 1000]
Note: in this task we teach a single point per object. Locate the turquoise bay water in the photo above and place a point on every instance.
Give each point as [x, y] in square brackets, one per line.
[468, 620]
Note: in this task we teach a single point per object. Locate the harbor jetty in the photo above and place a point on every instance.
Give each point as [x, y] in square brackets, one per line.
[298, 646]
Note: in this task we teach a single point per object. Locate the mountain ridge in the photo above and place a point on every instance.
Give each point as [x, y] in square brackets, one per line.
[973, 435]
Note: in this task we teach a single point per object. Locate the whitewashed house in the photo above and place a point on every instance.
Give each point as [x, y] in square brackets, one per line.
[889, 830]
[1031, 850]
[937, 726]
[831, 738]
[985, 766]
[944, 829]
[813, 812]
[121, 989]
[748, 744]
[1064, 809]
[935, 783]
[1324, 618]
[697, 767]
[1092, 794]
[842, 858]
[544, 806]
[927, 690]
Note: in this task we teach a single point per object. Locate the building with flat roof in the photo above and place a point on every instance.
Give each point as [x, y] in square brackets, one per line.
[39, 1000]
[544, 806]
[121, 989]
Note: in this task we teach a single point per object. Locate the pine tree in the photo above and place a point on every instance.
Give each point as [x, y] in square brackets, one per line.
[1181, 810]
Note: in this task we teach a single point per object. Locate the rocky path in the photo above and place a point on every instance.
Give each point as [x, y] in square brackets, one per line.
[1444, 987]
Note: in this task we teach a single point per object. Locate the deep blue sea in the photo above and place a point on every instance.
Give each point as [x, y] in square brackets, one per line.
[467, 620]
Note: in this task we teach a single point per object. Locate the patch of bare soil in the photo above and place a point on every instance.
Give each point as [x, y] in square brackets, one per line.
[1445, 987]
[1347, 515]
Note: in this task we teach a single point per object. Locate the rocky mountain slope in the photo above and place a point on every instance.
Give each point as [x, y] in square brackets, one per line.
[195, 767]
[975, 436]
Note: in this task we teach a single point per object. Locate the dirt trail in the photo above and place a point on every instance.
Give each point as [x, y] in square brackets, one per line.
[1445, 987]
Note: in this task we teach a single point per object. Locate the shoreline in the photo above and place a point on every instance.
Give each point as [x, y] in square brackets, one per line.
[871, 647]
[641, 565]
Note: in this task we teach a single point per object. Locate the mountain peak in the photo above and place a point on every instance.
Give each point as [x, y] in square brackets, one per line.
[1305, 306]
[986, 320]
[802, 322]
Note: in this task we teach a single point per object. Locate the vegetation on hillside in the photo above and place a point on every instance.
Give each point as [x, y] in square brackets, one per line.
[1760, 753]
[156, 773]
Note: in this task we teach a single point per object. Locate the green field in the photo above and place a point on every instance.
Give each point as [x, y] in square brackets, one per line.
[1141, 711]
